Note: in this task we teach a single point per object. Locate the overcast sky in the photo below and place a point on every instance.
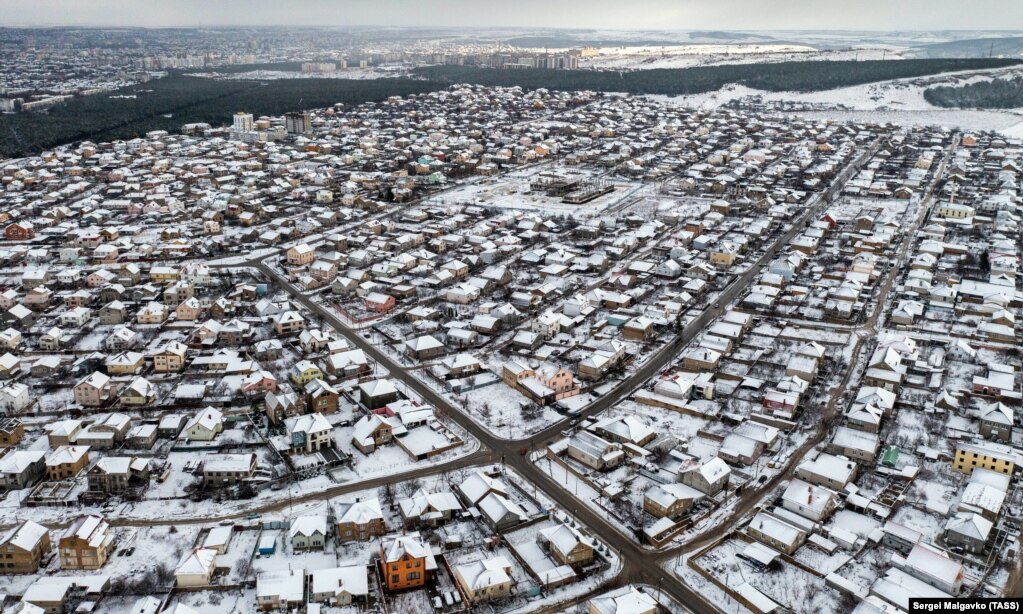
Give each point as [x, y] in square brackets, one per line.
[611, 14]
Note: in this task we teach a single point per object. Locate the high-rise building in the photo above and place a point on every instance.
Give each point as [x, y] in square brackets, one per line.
[297, 123]
[242, 122]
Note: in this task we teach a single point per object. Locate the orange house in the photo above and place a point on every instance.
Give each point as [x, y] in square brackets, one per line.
[380, 303]
[19, 231]
[406, 561]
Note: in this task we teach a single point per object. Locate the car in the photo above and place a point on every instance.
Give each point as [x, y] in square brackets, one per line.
[567, 433]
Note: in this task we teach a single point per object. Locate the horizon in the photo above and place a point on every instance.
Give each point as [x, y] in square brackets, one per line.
[649, 15]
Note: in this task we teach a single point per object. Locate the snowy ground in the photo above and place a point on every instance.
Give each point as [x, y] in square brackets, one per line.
[685, 56]
[511, 191]
[786, 584]
[898, 101]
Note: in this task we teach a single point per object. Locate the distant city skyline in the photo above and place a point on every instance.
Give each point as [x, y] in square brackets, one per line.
[678, 15]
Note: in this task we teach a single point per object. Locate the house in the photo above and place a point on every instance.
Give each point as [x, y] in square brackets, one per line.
[281, 404]
[288, 323]
[424, 348]
[701, 359]
[968, 531]
[67, 462]
[567, 545]
[985, 455]
[900, 537]
[478, 485]
[625, 429]
[339, 586]
[12, 430]
[708, 477]
[595, 452]
[854, 443]
[303, 372]
[14, 397]
[809, 501]
[670, 500]
[827, 470]
[747, 442]
[280, 589]
[378, 302]
[321, 397]
[205, 425]
[63, 432]
[196, 568]
[125, 363]
[462, 365]
[308, 532]
[23, 547]
[375, 430]
[116, 475]
[10, 365]
[374, 394]
[359, 520]
[139, 392]
[547, 324]
[996, 422]
[171, 425]
[933, 566]
[406, 561]
[308, 433]
[188, 310]
[219, 469]
[776, 533]
[94, 390]
[300, 255]
[428, 509]
[625, 600]
[500, 513]
[170, 358]
[543, 385]
[21, 468]
[348, 364]
[85, 544]
[485, 580]
[639, 328]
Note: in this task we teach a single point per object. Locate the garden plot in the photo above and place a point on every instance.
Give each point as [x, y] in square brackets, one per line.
[786, 584]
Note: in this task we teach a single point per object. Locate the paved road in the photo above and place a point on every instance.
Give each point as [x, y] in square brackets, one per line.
[638, 564]
[475, 459]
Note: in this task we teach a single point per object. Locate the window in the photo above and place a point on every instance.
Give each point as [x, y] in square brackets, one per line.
[413, 575]
[394, 579]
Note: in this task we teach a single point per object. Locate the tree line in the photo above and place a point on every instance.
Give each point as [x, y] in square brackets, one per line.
[993, 94]
[804, 76]
[166, 104]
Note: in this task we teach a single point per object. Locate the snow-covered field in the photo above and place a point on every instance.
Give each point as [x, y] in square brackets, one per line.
[685, 56]
[900, 102]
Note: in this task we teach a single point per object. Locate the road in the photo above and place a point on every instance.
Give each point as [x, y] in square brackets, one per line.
[638, 564]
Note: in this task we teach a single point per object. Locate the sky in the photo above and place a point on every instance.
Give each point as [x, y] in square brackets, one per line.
[605, 14]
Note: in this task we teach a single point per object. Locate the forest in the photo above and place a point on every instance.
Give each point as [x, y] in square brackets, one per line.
[993, 94]
[806, 76]
[166, 104]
